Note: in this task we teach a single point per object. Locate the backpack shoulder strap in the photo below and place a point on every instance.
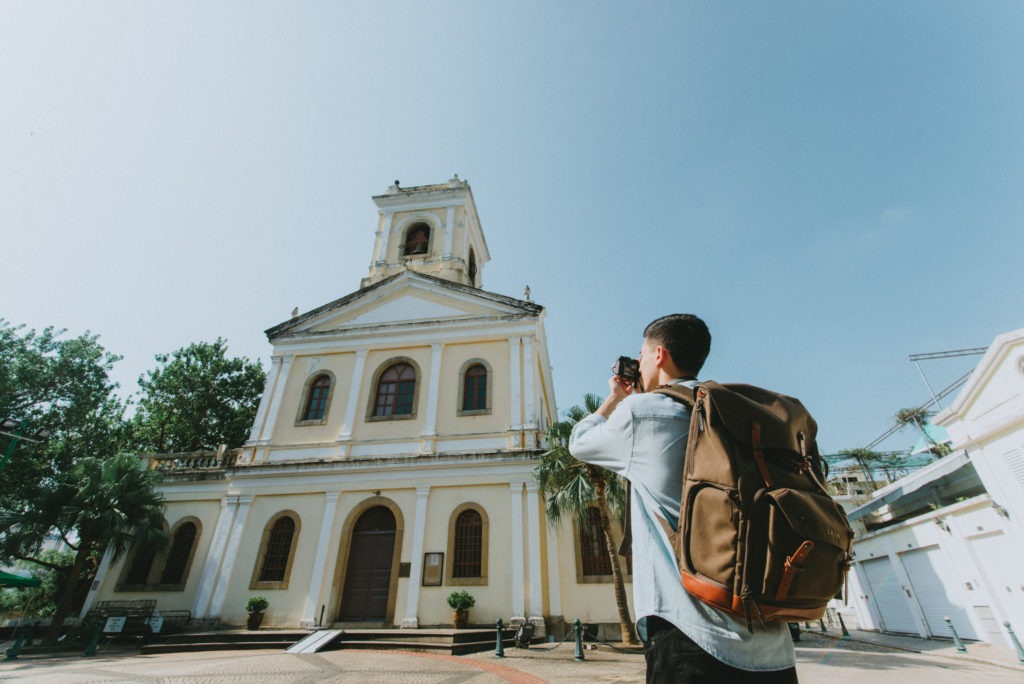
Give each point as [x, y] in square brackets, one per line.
[681, 393]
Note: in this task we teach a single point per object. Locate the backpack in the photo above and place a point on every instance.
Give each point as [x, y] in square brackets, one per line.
[758, 533]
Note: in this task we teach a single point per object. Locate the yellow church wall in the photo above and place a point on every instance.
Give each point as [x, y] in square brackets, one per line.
[588, 601]
[286, 605]
[392, 428]
[289, 428]
[495, 355]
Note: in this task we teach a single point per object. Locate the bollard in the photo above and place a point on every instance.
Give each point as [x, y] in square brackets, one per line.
[14, 650]
[94, 640]
[499, 642]
[956, 637]
[842, 624]
[1016, 643]
[822, 623]
[578, 629]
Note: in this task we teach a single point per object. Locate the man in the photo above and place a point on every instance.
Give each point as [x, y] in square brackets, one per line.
[642, 436]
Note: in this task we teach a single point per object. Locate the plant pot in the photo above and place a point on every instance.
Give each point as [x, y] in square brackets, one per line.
[254, 621]
[460, 618]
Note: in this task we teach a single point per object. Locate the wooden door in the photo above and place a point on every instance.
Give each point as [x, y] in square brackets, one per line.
[368, 574]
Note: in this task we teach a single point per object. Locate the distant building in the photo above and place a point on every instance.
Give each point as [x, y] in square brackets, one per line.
[391, 460]
[948, 539]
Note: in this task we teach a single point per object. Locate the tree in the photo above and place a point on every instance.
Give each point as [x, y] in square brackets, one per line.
[62, 385]
[106, 504]
[571, 487]
[197, 399]
[42, 600]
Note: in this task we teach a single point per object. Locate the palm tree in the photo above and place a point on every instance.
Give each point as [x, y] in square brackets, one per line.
[108, 503]
[572, 487]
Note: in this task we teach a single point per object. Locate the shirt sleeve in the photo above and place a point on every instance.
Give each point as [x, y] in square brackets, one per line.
[606, 443]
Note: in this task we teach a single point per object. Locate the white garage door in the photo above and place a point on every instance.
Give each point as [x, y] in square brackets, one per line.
[888, 596]
[938, 592]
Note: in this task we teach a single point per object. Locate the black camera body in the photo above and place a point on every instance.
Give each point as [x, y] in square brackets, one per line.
[628, 369]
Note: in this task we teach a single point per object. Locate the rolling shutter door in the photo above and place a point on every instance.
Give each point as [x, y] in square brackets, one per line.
[888, 596]
[938, 592]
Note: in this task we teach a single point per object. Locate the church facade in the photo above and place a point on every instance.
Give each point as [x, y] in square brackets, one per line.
[391, 458]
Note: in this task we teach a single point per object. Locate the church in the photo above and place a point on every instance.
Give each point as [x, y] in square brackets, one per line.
[390, 461]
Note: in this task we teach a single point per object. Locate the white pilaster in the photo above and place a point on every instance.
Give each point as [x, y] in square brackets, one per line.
[101, 574]
[411, 619]
[220, 588]
[278, 398]
[214, 557]
[533, 551]
[449, 230]
[516, 519]
[433, 389]
[515, 385]
[353, 396]
[261, 413]
[316, 580]
[554, 585]
[530, 418]
[382, 254]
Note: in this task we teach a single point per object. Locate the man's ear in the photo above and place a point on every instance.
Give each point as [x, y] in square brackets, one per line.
[660, 356]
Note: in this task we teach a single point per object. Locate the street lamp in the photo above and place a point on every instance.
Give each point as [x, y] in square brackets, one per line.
[15, 430]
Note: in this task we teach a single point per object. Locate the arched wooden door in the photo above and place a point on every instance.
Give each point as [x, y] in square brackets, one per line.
[368, 572]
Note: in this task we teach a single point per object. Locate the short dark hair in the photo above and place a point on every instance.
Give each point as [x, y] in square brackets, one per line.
[685, 336]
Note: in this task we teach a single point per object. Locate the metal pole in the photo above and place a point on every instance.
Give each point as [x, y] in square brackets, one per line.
[1016, 643]
[578, 629]
[822, 623]
[499, 641]
[956, 637]
[842, 624]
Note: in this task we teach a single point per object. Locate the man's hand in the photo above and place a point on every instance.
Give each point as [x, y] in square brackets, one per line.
[619, 389]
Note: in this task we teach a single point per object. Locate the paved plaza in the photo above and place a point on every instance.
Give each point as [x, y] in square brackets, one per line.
[865, 657]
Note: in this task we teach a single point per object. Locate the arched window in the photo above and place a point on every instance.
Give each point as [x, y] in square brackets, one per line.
[316, 398]
[277, 552]
[474, 388]
[468, 548]
[417, 240]
[396, 390]
[142, 564]
[180, 555]
[594, 558]
[472, 268]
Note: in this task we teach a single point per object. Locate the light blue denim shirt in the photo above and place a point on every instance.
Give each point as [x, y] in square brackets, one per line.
[645, 441]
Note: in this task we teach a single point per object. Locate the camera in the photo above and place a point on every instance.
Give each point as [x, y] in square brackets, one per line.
[629, 370]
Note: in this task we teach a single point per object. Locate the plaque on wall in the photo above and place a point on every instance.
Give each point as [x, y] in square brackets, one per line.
[433, 566]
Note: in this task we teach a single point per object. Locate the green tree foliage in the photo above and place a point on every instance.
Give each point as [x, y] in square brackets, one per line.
[571, 487]
[59, 384]
[197, 399]
[42, 600]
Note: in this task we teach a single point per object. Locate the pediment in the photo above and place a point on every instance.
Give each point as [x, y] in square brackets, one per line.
[408, 298]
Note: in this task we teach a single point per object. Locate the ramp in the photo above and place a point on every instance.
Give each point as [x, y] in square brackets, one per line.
[315, 641]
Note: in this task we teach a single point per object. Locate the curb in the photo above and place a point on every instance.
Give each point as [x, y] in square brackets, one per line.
[951, 656]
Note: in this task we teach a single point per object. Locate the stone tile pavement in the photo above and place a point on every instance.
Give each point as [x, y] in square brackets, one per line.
[862, 657]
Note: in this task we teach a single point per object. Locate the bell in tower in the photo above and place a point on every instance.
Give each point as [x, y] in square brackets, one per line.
[430, 229]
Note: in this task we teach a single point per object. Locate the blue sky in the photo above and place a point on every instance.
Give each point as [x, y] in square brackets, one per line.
[832, 186]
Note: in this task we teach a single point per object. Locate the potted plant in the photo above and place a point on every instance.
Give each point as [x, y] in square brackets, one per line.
[461, 602]
[255, 608]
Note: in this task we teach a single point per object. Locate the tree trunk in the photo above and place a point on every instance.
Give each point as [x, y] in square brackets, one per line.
[67, 597]
[625, 622]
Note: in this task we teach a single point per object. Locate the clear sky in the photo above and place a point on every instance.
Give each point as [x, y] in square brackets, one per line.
[832, 186]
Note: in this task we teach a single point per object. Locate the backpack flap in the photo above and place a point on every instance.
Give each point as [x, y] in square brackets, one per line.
[782, 418]
[808, 547]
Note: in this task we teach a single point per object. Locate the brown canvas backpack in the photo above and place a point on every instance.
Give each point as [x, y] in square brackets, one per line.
[759, 535]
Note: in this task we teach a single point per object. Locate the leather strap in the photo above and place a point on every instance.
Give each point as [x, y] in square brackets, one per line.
[794, 565]
[755, 440]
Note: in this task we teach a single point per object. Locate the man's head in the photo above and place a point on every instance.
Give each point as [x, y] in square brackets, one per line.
[674, 346]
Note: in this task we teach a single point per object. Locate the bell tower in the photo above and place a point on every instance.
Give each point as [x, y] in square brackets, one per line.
[430, 229]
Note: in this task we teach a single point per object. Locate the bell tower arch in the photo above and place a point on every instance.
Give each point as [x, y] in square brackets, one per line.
[430, 229]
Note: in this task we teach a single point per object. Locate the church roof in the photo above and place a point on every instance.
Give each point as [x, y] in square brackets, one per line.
[281, 329]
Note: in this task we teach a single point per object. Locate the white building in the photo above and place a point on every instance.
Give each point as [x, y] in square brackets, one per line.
[948, 540]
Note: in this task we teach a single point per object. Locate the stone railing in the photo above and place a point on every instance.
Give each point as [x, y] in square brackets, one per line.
[194, 460]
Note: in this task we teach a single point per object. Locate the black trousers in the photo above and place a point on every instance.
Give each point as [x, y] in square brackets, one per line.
[673, 658]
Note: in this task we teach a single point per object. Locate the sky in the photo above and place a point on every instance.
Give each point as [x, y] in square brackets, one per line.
[831, 186]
